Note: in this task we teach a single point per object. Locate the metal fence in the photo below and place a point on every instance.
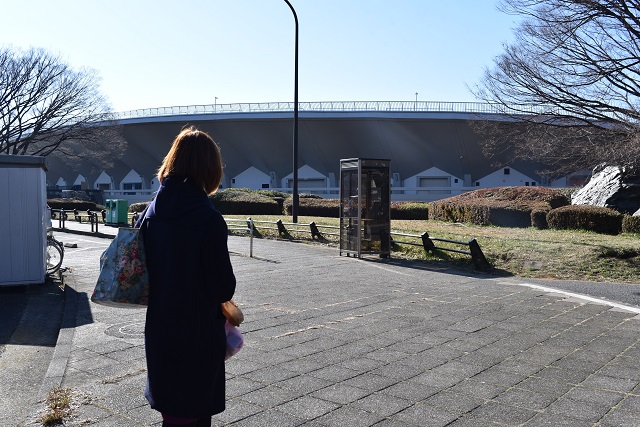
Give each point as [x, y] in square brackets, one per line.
[345, 106]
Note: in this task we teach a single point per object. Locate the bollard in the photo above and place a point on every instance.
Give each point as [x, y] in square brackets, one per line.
[427, 242]
[478, 257]
[315, 233]
[95, 219]
[250, 238]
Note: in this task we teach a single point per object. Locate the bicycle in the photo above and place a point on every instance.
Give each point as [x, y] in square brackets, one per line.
[54, 255]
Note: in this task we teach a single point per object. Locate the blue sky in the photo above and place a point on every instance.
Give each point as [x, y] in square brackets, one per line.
[159, 53]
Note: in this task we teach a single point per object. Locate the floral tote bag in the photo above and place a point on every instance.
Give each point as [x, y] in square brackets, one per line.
[124, 279]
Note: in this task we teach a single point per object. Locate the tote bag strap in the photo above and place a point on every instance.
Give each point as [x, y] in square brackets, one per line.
[143, 215]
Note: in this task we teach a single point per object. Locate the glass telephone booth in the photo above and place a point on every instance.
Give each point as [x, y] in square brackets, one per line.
[365, 207]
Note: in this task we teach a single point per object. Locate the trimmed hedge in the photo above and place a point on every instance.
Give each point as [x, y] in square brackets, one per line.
[311, 206]
[583, 217]
[316, 206]
[409, 210]
[71, 204]
[501, 206]
[138, 207]
[631, 224]
[539, 217]
[240, 201]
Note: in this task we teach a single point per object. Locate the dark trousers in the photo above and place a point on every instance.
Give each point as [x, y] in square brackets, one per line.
[202, 422]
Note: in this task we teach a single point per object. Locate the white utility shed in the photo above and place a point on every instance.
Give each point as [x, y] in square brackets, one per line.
[23, 206]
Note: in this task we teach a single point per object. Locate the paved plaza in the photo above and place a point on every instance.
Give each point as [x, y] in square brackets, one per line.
[338, 341]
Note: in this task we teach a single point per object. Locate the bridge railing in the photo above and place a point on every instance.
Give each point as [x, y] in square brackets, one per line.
[377, 106]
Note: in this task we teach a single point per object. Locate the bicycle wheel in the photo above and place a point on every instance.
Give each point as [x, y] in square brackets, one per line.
[54, 255]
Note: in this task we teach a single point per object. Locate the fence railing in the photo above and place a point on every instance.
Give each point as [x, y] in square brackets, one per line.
[284, 229]
[427, 242]
[89, 216]
[242, 225]
[376, 106]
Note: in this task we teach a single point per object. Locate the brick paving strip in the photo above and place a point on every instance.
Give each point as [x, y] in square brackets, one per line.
[337, 341]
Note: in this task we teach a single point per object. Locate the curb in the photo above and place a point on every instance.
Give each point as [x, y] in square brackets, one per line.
[84, 233]
[58, 365]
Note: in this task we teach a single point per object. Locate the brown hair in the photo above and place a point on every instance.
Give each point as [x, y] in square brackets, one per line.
[194, 155]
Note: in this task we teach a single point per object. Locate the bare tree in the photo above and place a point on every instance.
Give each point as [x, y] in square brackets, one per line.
[47, 106]
[577, 63]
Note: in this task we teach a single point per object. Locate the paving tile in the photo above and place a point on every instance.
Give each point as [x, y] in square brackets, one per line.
[238, 386]
[349, 416]
[438, 379]
[590, 395]
[478, 388]
[398, 371]
[270, 418]
[410, 390]
[340, 393]
[333, 373]
[603, 382]
[554, 420]
[304, 384]
[270, 374]
[269, 396]
[619, 417]
[460, 403]
[499, 377]
[382, 404]
[568, 376]
[237, 410]
[502, 414]
[371, 382]
[307, 407]
[526, 399]
[585, 411]
[420, 412]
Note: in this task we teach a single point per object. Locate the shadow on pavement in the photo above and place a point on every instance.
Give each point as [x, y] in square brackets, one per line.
[439, 267]
[77, 310]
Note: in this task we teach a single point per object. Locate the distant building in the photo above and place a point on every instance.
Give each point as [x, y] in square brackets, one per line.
[434, 146]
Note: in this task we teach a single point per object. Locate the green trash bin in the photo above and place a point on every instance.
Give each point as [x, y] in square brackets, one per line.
[121, 211]
[109, 207]
[117, 211]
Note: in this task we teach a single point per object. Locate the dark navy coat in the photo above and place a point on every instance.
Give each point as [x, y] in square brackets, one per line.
[190, 274]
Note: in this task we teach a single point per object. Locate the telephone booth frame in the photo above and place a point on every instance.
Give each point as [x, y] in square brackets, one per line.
[365, 207]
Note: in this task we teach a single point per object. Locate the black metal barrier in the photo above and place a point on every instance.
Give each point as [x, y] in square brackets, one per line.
[281, 227]
[477, 256]
[88, 216]
[60, 215]
[474, 251]
[312, 228]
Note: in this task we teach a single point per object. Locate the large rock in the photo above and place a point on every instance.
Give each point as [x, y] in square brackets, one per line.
[616, 187]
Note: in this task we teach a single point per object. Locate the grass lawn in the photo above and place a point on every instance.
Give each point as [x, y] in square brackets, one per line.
[524, 252]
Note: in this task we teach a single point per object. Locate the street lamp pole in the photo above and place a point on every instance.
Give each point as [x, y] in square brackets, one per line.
[296, 197]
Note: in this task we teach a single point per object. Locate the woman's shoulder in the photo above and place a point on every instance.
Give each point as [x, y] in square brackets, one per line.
[210, 213]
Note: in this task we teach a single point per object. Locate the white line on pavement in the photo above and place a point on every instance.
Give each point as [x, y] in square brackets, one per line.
[581, 296]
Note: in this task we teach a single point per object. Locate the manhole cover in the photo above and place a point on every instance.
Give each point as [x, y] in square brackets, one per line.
[126, 330]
